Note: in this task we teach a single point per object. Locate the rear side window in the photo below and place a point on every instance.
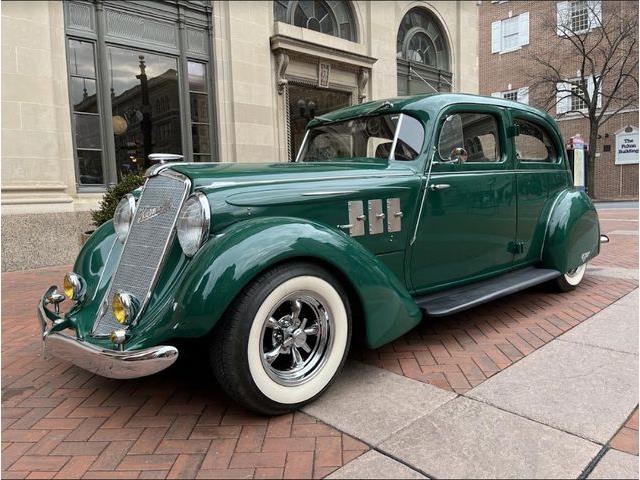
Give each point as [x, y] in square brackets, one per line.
[533, 143]
[469, 138]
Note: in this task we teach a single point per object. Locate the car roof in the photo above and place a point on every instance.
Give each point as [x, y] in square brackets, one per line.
[419, 105]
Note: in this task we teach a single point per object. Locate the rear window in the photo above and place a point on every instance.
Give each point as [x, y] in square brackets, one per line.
[533, 143]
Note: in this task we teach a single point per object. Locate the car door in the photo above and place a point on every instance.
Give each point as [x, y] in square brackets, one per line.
[541, 174]
[467, 224]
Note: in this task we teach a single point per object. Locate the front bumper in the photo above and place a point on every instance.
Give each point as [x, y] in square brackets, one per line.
[101, 361]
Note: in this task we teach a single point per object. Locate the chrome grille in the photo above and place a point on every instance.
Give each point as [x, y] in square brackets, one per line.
[146, 245]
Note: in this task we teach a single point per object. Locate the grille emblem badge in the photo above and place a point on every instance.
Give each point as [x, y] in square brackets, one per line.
[151, 212]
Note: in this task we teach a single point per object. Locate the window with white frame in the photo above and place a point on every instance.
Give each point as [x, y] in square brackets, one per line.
[512, 95]
[510, 34]
[518, 95]
[577, 16]
[570, 95]
[577, 98]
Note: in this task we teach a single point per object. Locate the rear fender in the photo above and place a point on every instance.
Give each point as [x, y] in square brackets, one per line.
[231, 259]
[573, 232]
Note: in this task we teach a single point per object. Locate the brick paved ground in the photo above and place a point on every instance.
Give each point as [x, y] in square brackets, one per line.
[59, 421]
[626, 439]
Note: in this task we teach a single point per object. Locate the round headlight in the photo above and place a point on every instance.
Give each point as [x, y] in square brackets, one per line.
[124, 307]
[123, 216]
[193, 223]
[74, 286]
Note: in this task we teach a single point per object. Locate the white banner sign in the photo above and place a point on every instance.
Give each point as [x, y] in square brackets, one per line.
[627, 146]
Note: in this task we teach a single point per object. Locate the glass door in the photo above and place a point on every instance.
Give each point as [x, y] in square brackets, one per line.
[306, 102]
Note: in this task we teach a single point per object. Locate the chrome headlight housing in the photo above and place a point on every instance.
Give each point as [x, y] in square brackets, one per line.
[193, 223]
[74, 286]
[123, 216]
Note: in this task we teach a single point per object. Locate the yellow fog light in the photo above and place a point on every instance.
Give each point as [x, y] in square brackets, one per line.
[74, 286]
[124, 307]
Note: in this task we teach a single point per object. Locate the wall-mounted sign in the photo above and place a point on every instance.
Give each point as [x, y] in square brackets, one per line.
[627, 146]
[324, 72]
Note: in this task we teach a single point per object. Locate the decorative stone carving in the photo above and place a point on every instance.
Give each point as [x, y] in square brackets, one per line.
[363, 80]
[282, 62]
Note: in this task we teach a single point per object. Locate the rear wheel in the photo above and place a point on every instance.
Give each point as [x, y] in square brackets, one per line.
[284, 340]
[570, 280]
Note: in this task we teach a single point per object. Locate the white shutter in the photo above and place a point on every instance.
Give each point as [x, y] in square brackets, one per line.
[562, 18]
[591, 90]
[496, 36]
[523, 28]
[563, 98]
[497, 94]
[595, 14]
[523, 95]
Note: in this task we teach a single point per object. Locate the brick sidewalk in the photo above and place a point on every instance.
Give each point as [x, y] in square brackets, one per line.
[59, 421]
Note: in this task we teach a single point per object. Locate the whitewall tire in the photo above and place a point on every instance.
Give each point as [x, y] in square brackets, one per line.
[285, 339]
[570, 280]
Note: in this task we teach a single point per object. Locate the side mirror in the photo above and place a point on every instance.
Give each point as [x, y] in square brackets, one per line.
[458, 155]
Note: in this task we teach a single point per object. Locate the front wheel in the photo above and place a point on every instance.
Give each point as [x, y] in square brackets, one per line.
[284, 340]
[570, 280]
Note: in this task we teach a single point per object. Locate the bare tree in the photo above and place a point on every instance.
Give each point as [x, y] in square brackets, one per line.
[589, 66]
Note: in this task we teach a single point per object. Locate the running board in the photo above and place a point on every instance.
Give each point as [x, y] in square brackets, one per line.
[457, 299]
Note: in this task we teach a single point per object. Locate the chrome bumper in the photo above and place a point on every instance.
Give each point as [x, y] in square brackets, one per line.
[101, 361]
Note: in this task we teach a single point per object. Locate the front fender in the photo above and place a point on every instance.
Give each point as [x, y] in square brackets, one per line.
[231, 259]
[573, 232]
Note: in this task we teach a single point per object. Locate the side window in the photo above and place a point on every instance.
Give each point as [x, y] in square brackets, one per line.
[469, 138]
[533, 143]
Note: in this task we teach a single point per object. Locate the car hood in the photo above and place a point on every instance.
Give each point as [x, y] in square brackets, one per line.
[226, 175]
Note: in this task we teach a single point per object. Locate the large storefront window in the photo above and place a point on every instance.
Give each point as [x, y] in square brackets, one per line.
[145, 106]
[139, 83]
[86, 112]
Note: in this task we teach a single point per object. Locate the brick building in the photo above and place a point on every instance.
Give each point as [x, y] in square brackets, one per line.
[512, 33]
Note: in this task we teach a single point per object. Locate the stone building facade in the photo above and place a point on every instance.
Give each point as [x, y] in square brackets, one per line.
[511, 34]
[90, 88]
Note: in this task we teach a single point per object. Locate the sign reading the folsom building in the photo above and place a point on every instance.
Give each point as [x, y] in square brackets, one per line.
[627, 146]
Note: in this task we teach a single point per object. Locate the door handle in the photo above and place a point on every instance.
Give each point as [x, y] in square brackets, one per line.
[438, 186]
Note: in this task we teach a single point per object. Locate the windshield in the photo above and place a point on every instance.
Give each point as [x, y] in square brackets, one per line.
[384, 137]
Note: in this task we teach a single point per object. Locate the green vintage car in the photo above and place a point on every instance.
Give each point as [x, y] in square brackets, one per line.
[392, 211]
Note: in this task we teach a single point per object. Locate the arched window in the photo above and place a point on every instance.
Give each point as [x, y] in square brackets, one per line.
[330, 17]
[423, 54]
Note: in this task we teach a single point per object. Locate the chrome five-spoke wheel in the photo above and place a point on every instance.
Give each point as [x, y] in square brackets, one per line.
[295, 338]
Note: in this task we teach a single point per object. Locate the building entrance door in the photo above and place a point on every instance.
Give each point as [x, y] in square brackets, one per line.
[306, 102]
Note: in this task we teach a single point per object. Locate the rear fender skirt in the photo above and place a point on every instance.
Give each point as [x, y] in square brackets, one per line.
[572, 234]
